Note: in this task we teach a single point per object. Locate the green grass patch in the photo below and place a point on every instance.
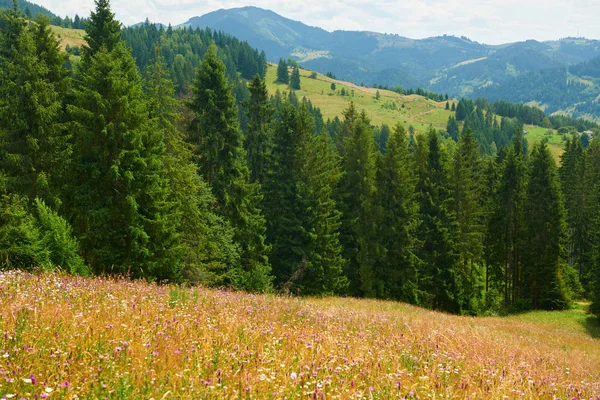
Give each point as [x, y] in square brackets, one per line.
[414, 110]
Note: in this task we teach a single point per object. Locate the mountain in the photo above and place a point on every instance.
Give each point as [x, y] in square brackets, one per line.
[34, 9]
[445, 64]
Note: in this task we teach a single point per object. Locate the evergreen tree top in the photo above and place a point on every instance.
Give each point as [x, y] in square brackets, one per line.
[102, 29]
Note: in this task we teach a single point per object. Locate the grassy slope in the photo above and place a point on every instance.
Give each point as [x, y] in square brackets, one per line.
[71, 37]
[535, 134]
[100, 338]
[418, 111]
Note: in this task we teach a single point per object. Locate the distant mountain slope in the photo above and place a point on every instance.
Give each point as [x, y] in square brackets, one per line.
[438, 59]
[572, 91]
[445, 64]
[26, 5]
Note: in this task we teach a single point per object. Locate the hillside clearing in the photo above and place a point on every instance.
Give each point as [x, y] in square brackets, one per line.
[105, 338]
[418, 111]
[390, 109]
[70, 37]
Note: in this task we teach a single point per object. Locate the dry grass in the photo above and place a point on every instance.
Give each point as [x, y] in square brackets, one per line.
[68, 337]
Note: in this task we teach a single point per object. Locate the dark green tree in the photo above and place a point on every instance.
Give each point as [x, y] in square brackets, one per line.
[397, 225]
[469, 208]
[258, 139]
[544, 233]
[218, 142]
[32, 136]
[303, 221]
[357, 202]
[118, 192]
[295, 79]
[438, 230]
[207, 247]
[506, 227]
[102, 30]
[283, 75]
[572, 175]
[452, 128]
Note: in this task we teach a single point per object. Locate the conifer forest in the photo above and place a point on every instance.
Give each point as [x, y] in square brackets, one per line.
[159, 154]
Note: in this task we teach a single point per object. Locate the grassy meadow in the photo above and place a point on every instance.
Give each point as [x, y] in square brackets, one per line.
[535, 134]
[71, 37]
[69, 337]
[418, 111]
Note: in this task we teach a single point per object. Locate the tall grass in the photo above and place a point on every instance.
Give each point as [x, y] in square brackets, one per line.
[69, 337]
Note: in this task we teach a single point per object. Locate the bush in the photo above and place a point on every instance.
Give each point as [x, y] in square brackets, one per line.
[20, 237]
[36, 239]
[57, 237]
[572, 284]
[520, 306]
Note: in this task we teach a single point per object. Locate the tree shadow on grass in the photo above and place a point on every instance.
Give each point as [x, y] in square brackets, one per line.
[592, 325]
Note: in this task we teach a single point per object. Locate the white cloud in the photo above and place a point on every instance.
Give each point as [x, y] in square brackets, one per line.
[488, 21]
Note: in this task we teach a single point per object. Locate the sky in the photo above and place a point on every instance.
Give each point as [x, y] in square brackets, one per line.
[486, 21]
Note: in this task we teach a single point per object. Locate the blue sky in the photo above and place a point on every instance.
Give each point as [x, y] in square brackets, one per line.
[487, 21]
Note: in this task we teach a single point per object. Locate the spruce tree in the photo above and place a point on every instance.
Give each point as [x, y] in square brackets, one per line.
[118, 194]
[283, 75]
[398, 223]
[322, 174]
[469, 206]
[357, 202]
[32, 134]
[295, 79]
[208, 249]
[573, 176]
[505, 225]
[258, 140]
[438, 231]
[217, 139]
[452, 128]
[102, 30]
[302, 218]
[544, 233]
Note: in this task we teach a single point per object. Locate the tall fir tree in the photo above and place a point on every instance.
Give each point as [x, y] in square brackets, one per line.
[118, 194]
[322, 173]
[591, 252]
[398, 223]
[469, 207]
[303, 220]
[102, 30]
[218, 143]
[544, 233]
[357, 202]
[258, 141]
[283, 75]
[505, 232]
[208, 250]
[573, 178]
[437, 231]
[33, 84]
[295, 79]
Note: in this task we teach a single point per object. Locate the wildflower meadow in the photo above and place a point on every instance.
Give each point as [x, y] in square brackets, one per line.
[65, 337]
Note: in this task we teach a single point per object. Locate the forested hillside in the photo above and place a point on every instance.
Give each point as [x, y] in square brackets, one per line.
[108, 168]
[444, 64]
[570, 91]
